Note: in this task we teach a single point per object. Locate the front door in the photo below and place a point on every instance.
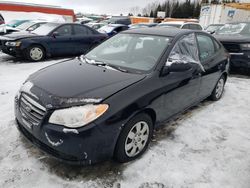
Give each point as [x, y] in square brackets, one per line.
[61, 43]
[181, 88]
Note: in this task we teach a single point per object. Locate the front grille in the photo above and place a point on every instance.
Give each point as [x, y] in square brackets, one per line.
[231, 47]
[31, 111]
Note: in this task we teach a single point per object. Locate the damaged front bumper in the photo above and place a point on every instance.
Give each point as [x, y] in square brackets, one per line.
[84, 146]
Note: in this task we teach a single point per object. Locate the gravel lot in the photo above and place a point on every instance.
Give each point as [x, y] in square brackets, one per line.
[208, 146]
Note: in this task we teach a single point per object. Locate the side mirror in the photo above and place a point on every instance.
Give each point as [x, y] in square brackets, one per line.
[212, 32]
[30, 29]
[55, 34]
[114, 32]
[179, 67]
[176, 66]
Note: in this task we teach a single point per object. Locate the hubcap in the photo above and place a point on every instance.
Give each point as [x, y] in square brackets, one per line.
[219, 88]
[137, 139]
[36, 53]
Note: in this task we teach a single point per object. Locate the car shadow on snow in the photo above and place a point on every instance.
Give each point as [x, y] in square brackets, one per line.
[106, 174]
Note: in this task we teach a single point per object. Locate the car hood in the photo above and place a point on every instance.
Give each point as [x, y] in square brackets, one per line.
[19, 35]
[73, 83]
[235, 38]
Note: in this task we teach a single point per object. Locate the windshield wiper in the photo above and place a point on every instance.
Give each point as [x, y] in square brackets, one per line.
[100, 63]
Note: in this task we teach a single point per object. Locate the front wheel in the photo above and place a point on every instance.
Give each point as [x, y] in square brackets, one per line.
[134, 138]
[35, 53]
[219, 89]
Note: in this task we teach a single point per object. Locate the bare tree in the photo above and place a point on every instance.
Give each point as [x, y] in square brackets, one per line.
[149, 7]
[171, 7]
[135, 10]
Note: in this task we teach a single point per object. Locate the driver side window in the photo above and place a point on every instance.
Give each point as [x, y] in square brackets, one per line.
[184, 51]
[64, 30]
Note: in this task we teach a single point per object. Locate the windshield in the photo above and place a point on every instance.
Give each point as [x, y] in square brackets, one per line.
[12, 22]
[15, 23]
[25, 25]
[235, 28]
[45, 29]
[132, 52]
[213, 27]
[170, 25]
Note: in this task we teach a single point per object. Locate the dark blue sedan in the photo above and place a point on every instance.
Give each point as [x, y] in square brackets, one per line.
[52, 39]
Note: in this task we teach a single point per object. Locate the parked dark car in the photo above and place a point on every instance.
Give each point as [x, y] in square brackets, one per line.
[212, 28]
[52, 39]
[1, 20]
[107, 103]
[113, 29]
[125, 20]
[236, 39]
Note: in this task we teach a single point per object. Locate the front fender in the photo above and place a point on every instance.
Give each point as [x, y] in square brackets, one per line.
[27, 44]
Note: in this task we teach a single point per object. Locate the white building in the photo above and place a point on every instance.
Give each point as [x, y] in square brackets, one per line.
[224, 13]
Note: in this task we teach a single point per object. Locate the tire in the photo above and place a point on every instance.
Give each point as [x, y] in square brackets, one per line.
[134, 138]
[35, 53]
[219, 89]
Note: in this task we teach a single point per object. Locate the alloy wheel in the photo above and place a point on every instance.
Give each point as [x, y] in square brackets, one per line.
[137, 139]
[219, 88]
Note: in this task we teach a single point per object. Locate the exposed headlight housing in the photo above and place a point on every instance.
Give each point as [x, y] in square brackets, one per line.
[245, 46]
[79, 116]
[17, 43]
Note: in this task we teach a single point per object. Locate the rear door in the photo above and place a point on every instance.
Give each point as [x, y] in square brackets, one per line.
[61, 41]
[213, 59]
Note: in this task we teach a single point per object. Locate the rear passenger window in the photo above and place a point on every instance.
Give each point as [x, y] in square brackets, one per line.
[82, 30]
[185, 26]
[198, 27]
[217, 45]
[206, 47]
[195, 27]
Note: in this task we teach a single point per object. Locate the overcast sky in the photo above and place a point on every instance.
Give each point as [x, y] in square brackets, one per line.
[95, 6]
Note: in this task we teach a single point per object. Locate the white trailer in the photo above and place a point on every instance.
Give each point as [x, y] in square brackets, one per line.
[224, 13]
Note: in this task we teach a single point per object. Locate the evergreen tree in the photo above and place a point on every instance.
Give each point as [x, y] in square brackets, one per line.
[151, 14]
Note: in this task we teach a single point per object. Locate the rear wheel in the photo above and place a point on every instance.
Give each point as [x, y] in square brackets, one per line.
[35, 53]
[219, 89]
[134, 138]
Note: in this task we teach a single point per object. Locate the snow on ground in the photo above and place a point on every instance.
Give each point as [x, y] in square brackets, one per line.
[208, 147]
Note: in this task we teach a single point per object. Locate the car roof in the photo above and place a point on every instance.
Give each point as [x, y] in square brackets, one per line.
[179, 23]
[116, 25]
[215, 24]
[174, 23]
[95, 23]
[159, 31]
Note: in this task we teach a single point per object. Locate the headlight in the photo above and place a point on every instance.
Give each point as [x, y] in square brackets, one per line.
[18, 43]
[78, 116]
[245, 46]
